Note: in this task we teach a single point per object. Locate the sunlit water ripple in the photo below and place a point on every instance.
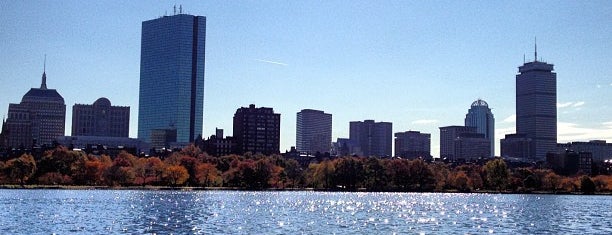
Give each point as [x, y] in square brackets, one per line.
[241, 212]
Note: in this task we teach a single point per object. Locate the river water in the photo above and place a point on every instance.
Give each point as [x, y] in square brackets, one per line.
[304, 212]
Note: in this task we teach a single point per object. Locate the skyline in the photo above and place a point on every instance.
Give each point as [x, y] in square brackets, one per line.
[419, 66]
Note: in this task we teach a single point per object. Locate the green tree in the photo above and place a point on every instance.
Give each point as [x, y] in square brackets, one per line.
[497, 174]
[349, 172]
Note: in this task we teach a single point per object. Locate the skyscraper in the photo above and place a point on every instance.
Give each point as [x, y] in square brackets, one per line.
[314, 131]
[100, 119]
[38, 120]
[372, 138]
[172, 76]
[257, 130]
[480, 116]
[536, 106]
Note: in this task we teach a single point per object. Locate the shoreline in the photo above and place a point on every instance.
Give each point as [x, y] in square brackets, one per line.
[169, 188]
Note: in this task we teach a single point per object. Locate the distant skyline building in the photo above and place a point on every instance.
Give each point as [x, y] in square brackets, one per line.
[463, 143]
[480, 116]
[536, 107]
[372, 138]
[313, 131]
[599, 149]
[171, 93]
[38, 120]
[100, 119]
[257, 130]
[413, 144]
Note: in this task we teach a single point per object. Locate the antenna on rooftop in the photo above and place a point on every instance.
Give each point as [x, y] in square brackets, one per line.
[175, 9]
[181, 9]
[536, 49]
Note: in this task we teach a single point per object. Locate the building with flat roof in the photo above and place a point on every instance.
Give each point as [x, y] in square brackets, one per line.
[100, 119]
[372, 138]
[599, 148]
[171, 94]
[257, 130]
[413, 144]
[313, 131]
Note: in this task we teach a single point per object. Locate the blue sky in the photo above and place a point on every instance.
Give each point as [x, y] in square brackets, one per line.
[418, 64]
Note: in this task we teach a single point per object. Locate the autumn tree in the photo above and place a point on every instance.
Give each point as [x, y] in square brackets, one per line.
[175, 175]
[207, 174]
[21, 169]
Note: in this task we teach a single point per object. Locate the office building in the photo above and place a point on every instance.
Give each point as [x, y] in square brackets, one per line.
[100, 119]
[471, 147]
[599, 149]
[372, 138]
[257, 130]
[480, 116]
[413, 144]
[38, 120]
[463, 143]
[171, 93]
[516, 146]
[313, 131]
[536, 107]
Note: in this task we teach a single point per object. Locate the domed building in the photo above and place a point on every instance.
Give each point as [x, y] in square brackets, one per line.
[38, 120]
[100, 119]
[480, 116]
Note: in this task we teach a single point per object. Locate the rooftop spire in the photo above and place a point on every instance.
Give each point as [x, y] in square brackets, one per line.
[536, 49]
[43, 85]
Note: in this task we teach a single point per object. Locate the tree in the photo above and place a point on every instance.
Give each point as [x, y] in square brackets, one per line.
[586, 185]
[460, 182]
[375, 176]
[293, 171]
[22, 168]
[207, 174]
[551, 181]
[175, 175]
[497, 174]
[349, 172]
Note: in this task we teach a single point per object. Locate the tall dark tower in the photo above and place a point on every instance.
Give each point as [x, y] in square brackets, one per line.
[536, 106]
[172, 76]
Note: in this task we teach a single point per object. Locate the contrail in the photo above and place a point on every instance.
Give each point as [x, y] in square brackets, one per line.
[272, 62]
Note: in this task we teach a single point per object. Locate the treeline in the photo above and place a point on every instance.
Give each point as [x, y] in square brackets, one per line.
[191, 167]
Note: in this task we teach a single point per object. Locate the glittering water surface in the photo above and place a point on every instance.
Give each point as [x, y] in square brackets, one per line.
[240, 212]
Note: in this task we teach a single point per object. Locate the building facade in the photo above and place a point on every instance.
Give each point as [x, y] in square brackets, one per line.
[172, 76]
[480, 116]
[372, 138]
[100, 119]
[38, 120]
[413, 144]
[257, 130]
[536, 107]
[516, 146]
[599, 148]
[471, 147]
[313, 131]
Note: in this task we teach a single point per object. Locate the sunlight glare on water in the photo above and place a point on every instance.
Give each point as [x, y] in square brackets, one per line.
[244, 212]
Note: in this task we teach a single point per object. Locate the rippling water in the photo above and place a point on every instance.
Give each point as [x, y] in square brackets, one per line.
[240, 212]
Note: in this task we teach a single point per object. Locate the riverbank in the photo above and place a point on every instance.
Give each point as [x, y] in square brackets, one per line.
[161, 188]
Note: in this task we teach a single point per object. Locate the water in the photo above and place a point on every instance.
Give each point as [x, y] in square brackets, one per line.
[240, 212]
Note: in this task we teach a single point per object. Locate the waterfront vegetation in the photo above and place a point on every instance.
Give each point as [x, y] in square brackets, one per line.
[191, 167]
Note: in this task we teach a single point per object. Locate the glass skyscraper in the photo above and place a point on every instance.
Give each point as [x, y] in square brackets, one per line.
[172, 76]
[480, 116]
